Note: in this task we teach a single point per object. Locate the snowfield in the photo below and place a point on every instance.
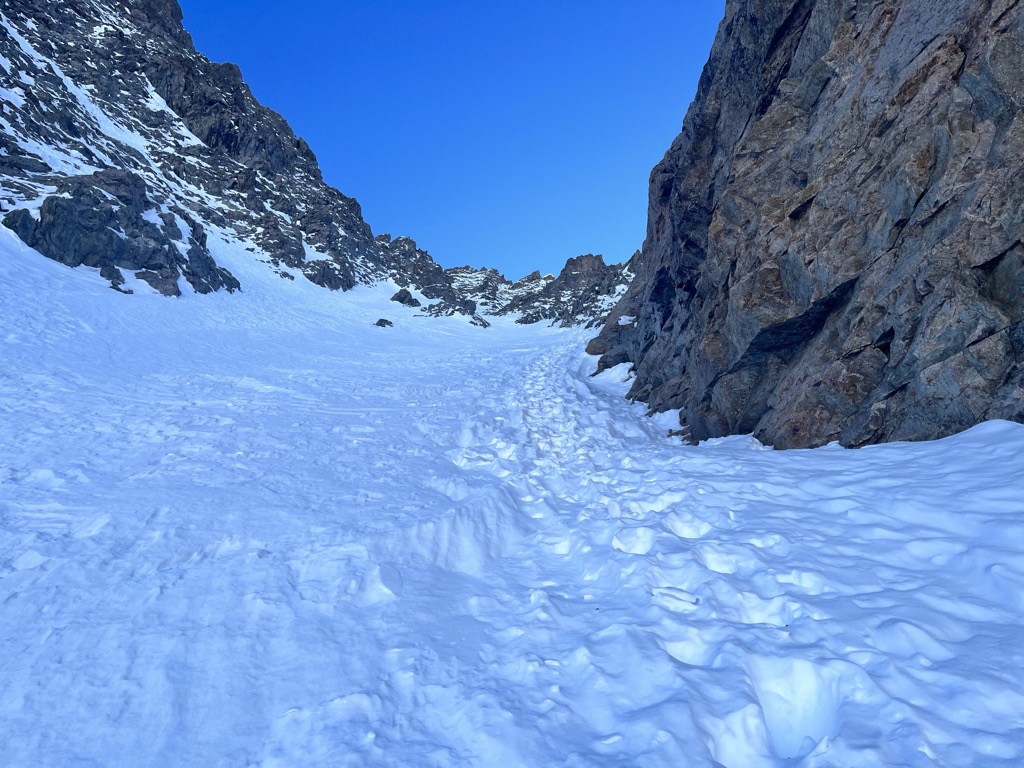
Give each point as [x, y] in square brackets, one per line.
[257, 530]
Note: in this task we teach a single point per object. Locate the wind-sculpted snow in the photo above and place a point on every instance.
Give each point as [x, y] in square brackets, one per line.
[245, 531]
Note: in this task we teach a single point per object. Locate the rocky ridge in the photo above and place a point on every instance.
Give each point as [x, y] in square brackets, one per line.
[116, 129]
[835, 245]
[122, 146]
[491, 290]
[583, 293]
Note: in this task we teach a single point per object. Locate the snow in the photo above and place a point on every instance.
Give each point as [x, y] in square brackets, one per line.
[152, 215]
[15, 97]
[156, 103]
[311, 253]
[256, 529]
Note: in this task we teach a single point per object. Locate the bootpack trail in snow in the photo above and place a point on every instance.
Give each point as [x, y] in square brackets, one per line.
[258, 530]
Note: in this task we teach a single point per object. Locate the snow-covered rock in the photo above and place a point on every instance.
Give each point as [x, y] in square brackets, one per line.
[97, 90]
[583, 293]
[121, 146]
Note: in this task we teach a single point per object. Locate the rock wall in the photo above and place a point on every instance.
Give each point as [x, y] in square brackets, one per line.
[835, 244]
[583, 292]
[97, 90]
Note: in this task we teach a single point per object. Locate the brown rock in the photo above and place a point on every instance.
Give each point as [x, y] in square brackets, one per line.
[835, 248]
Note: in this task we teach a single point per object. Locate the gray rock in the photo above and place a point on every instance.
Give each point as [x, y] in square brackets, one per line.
[834, 245]
[490, 289]
[407, 299]
[115, 277]
[409, 265]
[582, 294]
[99, 221]
[214, 157]
[384, 323]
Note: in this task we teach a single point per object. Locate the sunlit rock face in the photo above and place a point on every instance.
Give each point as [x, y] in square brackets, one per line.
[834, 245]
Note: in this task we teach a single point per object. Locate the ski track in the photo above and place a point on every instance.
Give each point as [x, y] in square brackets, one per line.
[234, 537]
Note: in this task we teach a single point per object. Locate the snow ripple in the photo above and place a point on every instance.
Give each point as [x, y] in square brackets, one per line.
[253, 531]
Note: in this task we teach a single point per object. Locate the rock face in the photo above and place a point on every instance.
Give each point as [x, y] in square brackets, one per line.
[583, 293]
[101, 221]
[490, 289]
[410, 266]
[121, 147]
[105, 95]
[835, 245]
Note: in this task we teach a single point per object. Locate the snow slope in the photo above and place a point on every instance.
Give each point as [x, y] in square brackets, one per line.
[257, 530]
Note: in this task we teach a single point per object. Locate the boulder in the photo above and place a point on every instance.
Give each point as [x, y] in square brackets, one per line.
[405, 298]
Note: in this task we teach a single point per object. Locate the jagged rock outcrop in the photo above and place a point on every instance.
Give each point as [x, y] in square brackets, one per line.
[412, 266]
[405, 297]
[122, 148]
[113, 93]
[583, 293]
[835, 246]
[95, 88]
[101, 221]
[490, 289]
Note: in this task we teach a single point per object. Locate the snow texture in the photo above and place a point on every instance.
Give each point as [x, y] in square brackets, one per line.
[258, 530]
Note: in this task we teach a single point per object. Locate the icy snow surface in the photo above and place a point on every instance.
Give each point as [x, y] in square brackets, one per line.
[257, 530]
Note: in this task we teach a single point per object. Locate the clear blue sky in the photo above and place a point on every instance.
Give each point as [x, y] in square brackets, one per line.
[505, 133]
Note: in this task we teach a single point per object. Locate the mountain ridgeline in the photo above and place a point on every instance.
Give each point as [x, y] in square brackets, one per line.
[835, 243]
[123, 147]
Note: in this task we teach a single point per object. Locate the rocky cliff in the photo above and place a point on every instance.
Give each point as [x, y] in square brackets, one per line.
[583, 293]
[491, 290]
[122, 147]
[834, 247]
